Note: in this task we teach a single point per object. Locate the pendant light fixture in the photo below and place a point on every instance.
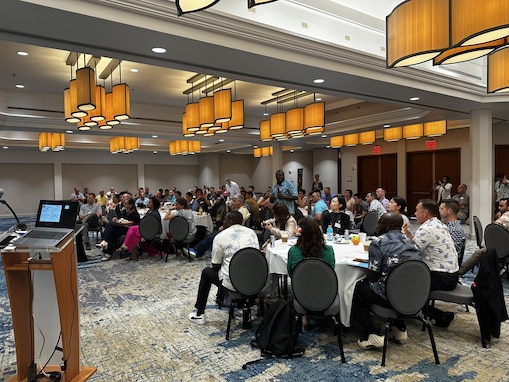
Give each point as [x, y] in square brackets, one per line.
[223, 105]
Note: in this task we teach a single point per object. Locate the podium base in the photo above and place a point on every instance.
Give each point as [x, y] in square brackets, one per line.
[85, 373]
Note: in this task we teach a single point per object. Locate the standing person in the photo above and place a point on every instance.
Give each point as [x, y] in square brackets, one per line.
[317, 184]
[231, 187]
[284, 191]
[336, 216]
[310, 244]
[444, 188]
[434, 241]
[398, 206]
[233, 237]
[385, 252]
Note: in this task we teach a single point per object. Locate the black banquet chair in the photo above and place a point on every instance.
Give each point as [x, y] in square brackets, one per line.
[248, 273]
[478, 231]
[315, 291]
[179, 229]
[407, 288]
[369, 223]
[497, 237]
[150, 230]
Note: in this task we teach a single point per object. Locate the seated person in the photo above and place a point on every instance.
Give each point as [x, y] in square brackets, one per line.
[360, 209]
[385, 252]
[253, 208]
[182, 210]
[142, 201]
[398, 205]
[89, 216]
[200, 201]
[336, 217]
[283, 222]
[463, 201]
[233, 237]
[119, 225]
[309, 244]
[238, 205]
[133, 235]
[316, 206]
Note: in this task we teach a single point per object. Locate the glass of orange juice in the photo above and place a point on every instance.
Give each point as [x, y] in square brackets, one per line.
[355, 239]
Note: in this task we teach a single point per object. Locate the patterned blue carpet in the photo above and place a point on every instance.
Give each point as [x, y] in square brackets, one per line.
[134, 327]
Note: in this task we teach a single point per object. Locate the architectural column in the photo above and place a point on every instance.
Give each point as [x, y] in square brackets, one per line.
[481, 132]
[141, 176]
[277, 159]
[401, 163]
[57, 181]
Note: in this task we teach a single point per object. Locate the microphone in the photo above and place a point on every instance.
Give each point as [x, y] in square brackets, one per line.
[20, 226]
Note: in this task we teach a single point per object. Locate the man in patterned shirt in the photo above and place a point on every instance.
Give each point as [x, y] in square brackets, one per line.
[233, 237]
[433, 239]
[385, 252]
[284, 191]
[449, 213]
[374, 204]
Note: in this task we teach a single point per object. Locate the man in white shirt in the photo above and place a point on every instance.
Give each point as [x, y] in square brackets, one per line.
[433, 239]
[380, 195]
[231, 187]
[232, 238]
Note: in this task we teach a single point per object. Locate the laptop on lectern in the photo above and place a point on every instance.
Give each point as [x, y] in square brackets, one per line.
[55, 220]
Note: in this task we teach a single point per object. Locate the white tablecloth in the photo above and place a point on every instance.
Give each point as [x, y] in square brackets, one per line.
[346, 270]
[203, 220]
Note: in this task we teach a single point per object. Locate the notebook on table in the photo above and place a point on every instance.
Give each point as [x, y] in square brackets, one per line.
[55, 220]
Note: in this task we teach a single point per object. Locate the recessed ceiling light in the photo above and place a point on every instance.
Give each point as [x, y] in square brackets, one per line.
[158, 50]
[20, 86]
[21, 53]
[265, 113]
[134, 70]
[318, 80]
[414, 99]
[292, 150]
[318, 99]
[387, 125]
[255, 146]
[328, 147]
[154, 152]
[155, 136]
[228, 151]
[69, 131]
[324, 136]
[221, 140]
[6, 147]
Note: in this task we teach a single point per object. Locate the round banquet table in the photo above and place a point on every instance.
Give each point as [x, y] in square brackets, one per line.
[347, 270]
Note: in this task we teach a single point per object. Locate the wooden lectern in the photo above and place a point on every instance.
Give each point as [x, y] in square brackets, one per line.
[18, 279]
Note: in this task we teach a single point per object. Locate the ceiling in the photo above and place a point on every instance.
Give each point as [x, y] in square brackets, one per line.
[341, 41]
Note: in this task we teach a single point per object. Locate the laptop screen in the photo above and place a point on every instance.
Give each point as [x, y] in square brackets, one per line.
[57, 214]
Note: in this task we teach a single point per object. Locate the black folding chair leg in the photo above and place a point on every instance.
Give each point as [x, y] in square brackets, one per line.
[386, 337]
[230, 318]
[432, 339]
[340, 340]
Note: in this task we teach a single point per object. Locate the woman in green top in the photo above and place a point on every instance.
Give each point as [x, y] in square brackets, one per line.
[309, 244]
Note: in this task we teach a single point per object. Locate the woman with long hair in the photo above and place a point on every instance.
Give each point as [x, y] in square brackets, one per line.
[309, 244]
[398, 205]
[133, 235]
[336, 216]
[283, 222]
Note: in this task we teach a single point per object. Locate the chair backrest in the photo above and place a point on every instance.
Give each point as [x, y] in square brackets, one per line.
[370, 222]
[496, 236]
[408, 286]
[149, 227]
[179, 229]
[298, 214]
[461, 252]
[314, 285]
[248, 271]
[478, 231]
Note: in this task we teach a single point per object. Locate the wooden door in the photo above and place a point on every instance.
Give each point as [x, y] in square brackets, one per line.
[501, 162]
[378, 171]
[424, 168]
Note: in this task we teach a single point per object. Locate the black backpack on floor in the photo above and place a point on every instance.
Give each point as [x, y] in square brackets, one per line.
[278, 332]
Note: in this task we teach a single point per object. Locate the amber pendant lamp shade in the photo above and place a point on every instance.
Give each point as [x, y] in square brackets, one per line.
[435, 128]
[277, 125]
[469, 28]
[417, 31]
[85, 87]
[498, 75]
[188, 6]
[110, 117]
[367, 137]
[351, 139]
[393, 134]
[294, 121]
[237, 121]
[265, 130]
[44, 141]
[337, 141]
[67, 107]
[73, 91]
[121, 102]
[413, 131]
[314, 118]
[223, 105]
[98, 114]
